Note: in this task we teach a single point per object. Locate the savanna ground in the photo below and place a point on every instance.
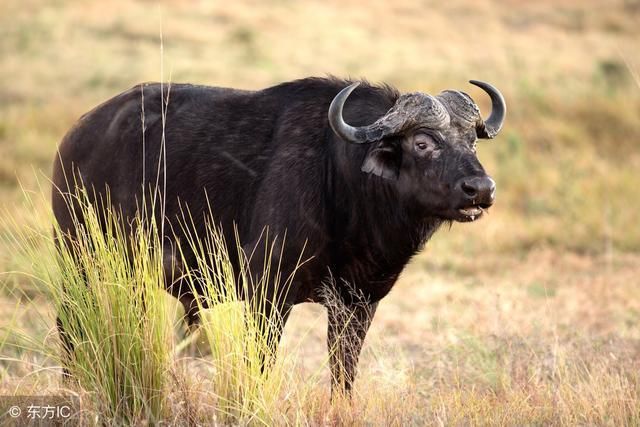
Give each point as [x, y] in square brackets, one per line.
[529, 316]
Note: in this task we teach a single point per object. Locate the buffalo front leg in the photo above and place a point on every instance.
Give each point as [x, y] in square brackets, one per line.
[348, 326]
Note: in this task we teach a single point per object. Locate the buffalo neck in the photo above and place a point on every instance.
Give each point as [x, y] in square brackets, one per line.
[372, 223]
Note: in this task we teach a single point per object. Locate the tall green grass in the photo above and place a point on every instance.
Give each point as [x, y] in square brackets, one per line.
[249, 381]
[107, 287]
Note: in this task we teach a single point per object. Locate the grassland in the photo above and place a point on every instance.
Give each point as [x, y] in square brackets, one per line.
[529, 316]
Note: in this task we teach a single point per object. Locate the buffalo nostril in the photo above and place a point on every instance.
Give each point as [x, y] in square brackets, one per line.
[469, 189]
[478, 190]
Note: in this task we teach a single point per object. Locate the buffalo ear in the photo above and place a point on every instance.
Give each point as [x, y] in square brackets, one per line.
[383, 160]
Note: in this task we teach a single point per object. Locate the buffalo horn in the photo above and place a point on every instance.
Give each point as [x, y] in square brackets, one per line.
[488, 129]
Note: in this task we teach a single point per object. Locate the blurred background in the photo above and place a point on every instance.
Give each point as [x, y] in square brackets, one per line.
[566, 163]
[553, 270]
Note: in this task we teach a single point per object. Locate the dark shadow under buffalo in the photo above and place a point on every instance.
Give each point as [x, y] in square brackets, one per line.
[358, 175]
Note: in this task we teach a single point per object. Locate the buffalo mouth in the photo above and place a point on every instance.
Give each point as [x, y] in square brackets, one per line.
[469, 213]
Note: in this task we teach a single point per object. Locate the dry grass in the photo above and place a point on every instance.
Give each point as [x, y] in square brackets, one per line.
[529, 316]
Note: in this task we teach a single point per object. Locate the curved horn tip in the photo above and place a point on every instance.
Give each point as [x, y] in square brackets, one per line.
[491, 90]
[480, 83]
[494, 123]
[345, 92]
[352, 86]
[342, 129]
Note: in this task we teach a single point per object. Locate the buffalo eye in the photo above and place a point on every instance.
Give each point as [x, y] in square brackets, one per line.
[424, 143]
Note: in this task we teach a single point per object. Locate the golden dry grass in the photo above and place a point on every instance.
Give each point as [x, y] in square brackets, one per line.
[529, 316]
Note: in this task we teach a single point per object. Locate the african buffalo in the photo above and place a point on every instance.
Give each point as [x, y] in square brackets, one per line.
[358, 177]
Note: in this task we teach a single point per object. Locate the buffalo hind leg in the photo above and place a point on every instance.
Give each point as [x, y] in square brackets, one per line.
[270, 325]
[67, 348]
[347, 328]
[194, 339]
[180, 288]
[191, 310]
[267, 294]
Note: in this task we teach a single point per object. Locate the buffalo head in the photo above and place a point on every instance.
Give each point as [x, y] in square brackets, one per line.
[426, 147]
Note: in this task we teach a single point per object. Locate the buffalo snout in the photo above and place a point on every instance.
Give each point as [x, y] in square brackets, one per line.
[477, 191]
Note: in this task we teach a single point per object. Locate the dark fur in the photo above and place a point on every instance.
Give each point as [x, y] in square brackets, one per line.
[266, 158]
